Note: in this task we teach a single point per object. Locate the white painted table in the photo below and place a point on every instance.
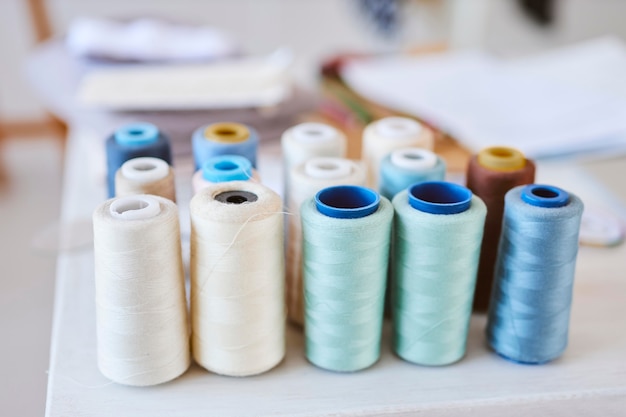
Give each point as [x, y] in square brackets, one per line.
[590, 378]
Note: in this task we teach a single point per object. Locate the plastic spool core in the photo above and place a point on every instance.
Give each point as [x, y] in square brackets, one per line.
[227, 168]
[327, 168]
[540, 195]
[145, 169]
[440, 197]
[414, 159]
[135, 207]
[501, 158]
[347, 201]
[137, 134]
[313, 132]
[398, 128]
[227, 132]
[236, 197]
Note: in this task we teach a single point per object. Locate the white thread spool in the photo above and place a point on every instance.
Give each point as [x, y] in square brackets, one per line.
[224, 168]
[386, 135]
[143, 335]
[307, 140]
[145, 175]
[306, 179]
[237, 278]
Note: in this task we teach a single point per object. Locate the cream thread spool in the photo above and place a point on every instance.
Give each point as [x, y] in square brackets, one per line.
[142, 330]
[237, 278]
[306, 180]
[145, 175]
[386, 135]
[308, 140]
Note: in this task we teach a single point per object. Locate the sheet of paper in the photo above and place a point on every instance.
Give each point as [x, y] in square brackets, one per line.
[569, 101]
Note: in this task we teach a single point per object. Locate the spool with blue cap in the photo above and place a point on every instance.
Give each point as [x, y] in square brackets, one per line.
[438, 229]
[224, 168]
[133, 141]
[224, 138]
[531, 299]
[346, 237]
[407, 166]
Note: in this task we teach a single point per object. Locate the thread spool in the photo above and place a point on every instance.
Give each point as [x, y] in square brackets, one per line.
[407, 166]
[306, 180]
[437, 235]
[133, 141]
[309, 140]
[141, 311]
[346, 236]
[530, 304]
[224, 168]
[145, 175]
[490, 174]
[224, 138]
[237, 278]
[383, 136]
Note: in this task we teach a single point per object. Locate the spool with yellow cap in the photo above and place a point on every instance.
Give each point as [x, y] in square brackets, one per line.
[224, 138]
[490, 174]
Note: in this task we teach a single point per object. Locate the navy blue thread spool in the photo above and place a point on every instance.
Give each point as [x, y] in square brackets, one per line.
[531, 298]
[133, 141]
[407, 166]
[224, 138]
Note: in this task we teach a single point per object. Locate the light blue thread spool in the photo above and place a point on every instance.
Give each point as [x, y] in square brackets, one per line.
[534, 277]
[346, 236]
[405, 167]
[224, 139]
[227, 168]
[437, 238]
[131, 141]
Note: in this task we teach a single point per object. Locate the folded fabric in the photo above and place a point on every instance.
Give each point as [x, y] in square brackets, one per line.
[146, 40]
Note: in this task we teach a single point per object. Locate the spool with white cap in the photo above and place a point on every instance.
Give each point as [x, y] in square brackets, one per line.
[306, 180]
[383, 136]
[141, 312]
[145, 175]
[408, 166]
[308, 140]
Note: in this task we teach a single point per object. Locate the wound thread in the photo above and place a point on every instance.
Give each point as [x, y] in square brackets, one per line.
[490, 174]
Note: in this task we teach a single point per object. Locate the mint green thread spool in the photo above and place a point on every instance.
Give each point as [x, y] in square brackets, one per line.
[437, 237]
[346, 238]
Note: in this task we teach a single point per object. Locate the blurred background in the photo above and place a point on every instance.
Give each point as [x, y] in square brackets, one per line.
[46, 94]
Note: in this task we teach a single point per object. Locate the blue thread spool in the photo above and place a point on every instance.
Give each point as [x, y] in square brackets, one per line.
[437, 236]
[223, 168]
[227, 168]
[405, 167]
[346, 236]
[133, 141]
[224, 139]
[531, 298]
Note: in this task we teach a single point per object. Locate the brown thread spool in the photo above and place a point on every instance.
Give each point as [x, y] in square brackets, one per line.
[490, 174]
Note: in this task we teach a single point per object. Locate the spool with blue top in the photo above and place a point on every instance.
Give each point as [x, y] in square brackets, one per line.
[531, 299]
[225, 138]
[223, 168]
[405, 167]
[346, 237]
[133, 141]
[438, 229]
